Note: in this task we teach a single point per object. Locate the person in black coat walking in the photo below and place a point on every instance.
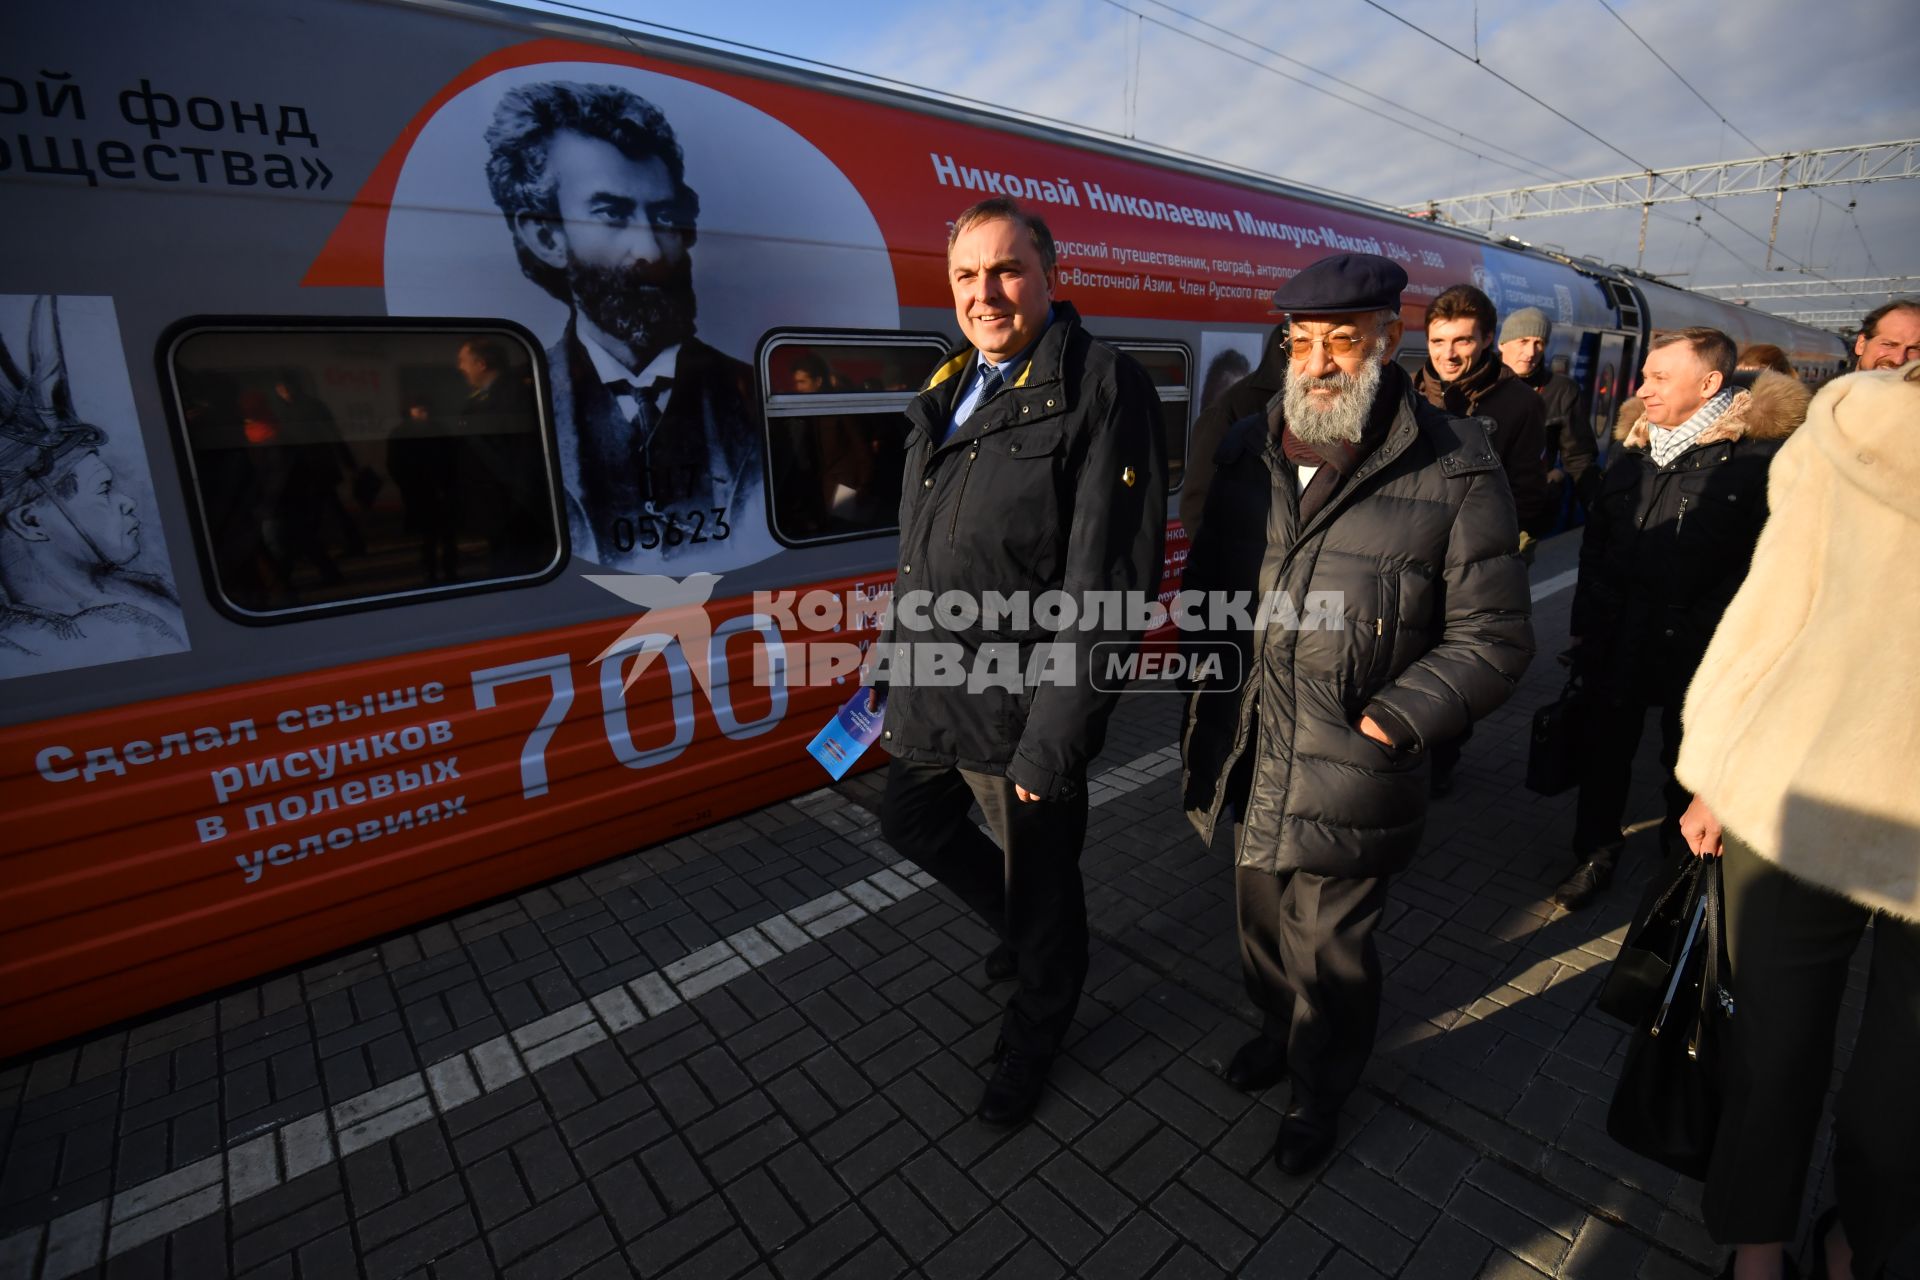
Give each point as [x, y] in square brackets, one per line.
[1036, 467]
[1378, 533]
[1667, 545]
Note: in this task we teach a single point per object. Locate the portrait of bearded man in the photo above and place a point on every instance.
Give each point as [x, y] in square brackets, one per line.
[660, 452]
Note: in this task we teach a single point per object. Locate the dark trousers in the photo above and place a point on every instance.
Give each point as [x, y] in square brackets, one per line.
[1310, 964]
[1791, 943]
[1026, 887]
[1613, 729]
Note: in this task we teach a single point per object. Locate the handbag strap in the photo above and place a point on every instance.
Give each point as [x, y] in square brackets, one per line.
[1717, 974]
[1682, 883]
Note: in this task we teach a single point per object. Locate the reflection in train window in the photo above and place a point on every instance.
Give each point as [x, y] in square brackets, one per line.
[348, 465]
[1169, 365]
[837, 430]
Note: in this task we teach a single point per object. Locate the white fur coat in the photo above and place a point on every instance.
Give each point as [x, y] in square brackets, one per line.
[1803, 722]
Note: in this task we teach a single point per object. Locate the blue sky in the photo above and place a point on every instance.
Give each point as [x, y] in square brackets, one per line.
[1140, 67]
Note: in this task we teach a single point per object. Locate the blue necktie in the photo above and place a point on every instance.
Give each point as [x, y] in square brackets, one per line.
[990, 383]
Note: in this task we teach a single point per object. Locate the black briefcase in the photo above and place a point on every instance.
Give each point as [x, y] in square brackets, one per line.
[1554, 749]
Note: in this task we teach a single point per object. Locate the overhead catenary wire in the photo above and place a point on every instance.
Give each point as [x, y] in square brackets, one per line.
[1544, 105]
[1309, 85]
[1720, 115]
[1270, 51]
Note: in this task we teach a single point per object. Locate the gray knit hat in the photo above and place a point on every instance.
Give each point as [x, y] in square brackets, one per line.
[1528, 322]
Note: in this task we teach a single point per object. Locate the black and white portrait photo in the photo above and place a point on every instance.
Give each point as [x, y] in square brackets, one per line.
[660, 447]
[84, 573]
[650, 231]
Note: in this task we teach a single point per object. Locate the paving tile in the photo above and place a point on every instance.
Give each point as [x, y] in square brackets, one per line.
[533, 1071]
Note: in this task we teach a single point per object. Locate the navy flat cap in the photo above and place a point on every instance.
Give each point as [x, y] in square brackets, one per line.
[1341, 285]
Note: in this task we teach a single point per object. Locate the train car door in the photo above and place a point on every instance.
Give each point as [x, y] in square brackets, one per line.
[1612, 387]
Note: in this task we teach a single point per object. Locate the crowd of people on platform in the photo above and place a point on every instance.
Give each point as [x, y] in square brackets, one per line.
[1738, 573]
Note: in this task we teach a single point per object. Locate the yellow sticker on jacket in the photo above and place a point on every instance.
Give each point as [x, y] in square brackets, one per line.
[1127, 477]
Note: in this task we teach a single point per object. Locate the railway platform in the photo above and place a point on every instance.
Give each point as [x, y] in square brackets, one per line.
[753, 1051]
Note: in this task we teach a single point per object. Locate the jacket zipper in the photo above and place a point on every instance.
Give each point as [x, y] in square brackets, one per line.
[953, 526]
[1681, 518]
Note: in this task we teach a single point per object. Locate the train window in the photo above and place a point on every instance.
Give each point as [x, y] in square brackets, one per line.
[1170, 366]
[837, 429]
[343, 466]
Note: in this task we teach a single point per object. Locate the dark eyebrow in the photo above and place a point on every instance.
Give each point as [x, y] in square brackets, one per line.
[610, 202]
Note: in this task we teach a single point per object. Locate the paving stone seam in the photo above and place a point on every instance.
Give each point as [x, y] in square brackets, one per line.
[1484, 1152]
[89, 1235]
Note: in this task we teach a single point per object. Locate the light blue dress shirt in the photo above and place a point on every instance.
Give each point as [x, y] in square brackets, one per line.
[1009, 374]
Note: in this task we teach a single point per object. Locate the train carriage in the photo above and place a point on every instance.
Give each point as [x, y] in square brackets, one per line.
[351, 573]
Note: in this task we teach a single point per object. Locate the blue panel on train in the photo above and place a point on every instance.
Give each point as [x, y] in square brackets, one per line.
[1515, 280]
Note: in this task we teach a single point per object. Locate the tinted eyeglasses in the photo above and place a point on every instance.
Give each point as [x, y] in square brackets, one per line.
[1337, 344]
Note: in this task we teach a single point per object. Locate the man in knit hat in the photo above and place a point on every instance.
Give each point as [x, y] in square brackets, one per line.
[1523, 348]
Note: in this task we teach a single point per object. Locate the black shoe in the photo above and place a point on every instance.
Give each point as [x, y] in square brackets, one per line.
[1015, 1088]
[1002, 964]
[1440, 785]
[1306, 1138]
[1586, 882]
[1258, 1064]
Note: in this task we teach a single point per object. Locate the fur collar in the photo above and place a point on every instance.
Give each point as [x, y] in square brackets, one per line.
[1766, 406]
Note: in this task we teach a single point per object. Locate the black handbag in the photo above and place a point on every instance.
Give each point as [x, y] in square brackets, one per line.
[1640, 972]
[1667, 1104]
[1554, 749]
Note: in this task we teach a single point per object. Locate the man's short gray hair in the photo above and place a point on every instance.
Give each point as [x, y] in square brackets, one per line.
[996, 208]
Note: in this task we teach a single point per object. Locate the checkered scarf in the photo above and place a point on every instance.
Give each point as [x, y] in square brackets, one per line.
[1666, 443]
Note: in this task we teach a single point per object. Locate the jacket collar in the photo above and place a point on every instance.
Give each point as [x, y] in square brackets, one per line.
[1766, 406]
[932, 407]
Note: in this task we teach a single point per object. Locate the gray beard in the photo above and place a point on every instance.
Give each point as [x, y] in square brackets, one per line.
[1345, 420]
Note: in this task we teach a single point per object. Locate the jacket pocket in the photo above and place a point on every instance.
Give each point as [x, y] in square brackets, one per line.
[1022, 474]
[1386, 634]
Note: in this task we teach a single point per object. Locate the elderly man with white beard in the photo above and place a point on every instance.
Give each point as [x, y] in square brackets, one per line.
[1379, 533]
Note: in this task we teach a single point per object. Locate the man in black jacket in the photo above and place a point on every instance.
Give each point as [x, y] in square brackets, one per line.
[1464, 376]
[1524, 336]
[1379, 533]
[1667, 544]
[1036, 468]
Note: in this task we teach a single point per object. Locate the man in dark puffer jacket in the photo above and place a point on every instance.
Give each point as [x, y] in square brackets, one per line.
[1390, 526]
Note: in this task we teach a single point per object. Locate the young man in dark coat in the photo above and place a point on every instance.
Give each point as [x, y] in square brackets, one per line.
[1464, 376]
[1667, 545]
[1379, 533]
[1036, 466]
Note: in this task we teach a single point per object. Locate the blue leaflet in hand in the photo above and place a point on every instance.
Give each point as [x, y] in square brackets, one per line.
[851, 731]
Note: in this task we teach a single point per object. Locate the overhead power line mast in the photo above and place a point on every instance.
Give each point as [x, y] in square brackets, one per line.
[1757, 176]
[1766, 290]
